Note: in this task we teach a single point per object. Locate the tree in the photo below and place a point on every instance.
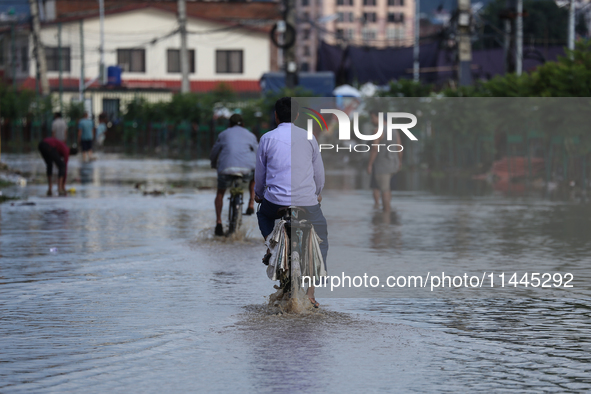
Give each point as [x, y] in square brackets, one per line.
[545, 23]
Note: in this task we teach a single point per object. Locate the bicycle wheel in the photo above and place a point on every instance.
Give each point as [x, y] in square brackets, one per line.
[235, 213]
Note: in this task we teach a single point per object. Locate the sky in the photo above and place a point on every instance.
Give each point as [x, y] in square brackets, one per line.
[20, 6]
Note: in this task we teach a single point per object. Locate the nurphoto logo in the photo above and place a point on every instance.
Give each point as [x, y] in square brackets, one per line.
[344, 123]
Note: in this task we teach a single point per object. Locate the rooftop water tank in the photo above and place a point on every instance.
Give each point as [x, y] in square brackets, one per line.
[114, 75]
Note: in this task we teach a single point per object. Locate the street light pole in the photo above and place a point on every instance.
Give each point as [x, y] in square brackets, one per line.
[102, 74]
[416, 49]
[571, 25]
[184, 58]
[519, 39]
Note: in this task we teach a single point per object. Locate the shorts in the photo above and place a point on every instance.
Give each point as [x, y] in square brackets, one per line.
[382, 182]
[86, 145]
[225, 180]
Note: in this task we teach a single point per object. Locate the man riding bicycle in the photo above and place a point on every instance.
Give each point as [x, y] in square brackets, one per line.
[234, 152]
[289, 172]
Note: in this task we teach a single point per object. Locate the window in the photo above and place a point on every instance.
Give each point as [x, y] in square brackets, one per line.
[173, 57]
[228, 62]
[306, 34]
[369, 2]
[347, 2]
[306, 50]
[305, 3]
[306, 16]
[395, 17]
[25, 59]
[340, 34]
[132, 60]
[53, 58]
[396, 2]
[368, 34]
[340, 17]
[340, 2]
[395, 33]
[305, 67]
[350, 34]
[369, 17]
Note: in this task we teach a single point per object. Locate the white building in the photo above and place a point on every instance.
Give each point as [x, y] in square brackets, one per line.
[144, 41]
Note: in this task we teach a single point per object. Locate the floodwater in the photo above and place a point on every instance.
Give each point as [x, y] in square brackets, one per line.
[113, 290]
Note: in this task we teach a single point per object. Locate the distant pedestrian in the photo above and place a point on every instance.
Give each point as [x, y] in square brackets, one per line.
[382, 166]
[86, 134]
[59, 128]
[101, 129]
[56, 152]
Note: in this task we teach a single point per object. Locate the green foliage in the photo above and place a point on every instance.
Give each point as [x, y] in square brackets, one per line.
[569, 77]
[184, 107]
[15, 104]
[74, 111]
[407, 88]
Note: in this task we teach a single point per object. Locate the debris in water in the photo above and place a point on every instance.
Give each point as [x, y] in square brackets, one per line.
[154, 193]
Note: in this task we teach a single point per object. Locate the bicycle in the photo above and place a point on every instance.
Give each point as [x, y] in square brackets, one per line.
[236, 201]
[298, 232]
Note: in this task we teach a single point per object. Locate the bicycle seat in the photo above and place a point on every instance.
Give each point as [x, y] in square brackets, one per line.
[291, 210]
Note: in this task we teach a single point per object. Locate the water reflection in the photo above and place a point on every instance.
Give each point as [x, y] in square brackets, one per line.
[86, 173]
[386, 233]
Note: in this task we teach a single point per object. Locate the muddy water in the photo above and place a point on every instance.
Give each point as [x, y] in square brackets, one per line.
[109, 289]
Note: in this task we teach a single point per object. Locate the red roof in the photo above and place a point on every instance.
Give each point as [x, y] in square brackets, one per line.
[225, 13]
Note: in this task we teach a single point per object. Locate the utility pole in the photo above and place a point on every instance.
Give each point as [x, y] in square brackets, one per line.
[102, 74]
[39, 49]
[81, 79]
[571, 26]
[416, 49]
[464, 43]
[182, 10]
[13, 54]
[519, 39]
[506, 35]
[59, 59]
[291, 66]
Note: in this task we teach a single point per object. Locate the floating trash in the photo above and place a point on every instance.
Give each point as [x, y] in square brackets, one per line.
[53, 250]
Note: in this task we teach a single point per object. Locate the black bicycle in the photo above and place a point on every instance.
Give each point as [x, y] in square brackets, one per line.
[236, 201]
[298, 232]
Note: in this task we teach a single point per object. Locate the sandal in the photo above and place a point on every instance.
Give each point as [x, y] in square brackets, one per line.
[267, 258]
[314, 303]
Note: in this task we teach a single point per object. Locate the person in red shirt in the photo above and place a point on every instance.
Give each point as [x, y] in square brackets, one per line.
[56, 152]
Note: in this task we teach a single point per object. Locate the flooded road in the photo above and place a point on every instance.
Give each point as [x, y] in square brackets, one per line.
[111, 289]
